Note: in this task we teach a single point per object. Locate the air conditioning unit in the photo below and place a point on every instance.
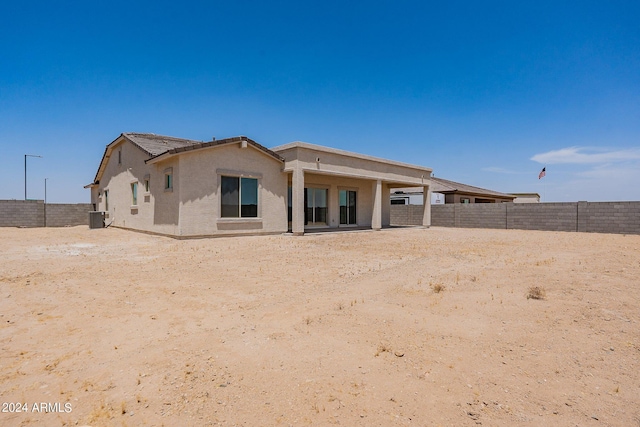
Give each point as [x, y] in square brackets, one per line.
[96, 219]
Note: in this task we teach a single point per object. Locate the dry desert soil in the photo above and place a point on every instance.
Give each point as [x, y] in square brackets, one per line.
[402, 327]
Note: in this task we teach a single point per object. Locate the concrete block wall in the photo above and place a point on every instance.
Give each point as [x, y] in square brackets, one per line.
[443, 215]
[63, 215]
[613, 217]
[407, 215]
[484, 215]
[30, 213]
[542, 216]
[594, 217]
[21, 213]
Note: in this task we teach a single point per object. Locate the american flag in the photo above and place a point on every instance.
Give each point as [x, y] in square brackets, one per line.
[543, 172]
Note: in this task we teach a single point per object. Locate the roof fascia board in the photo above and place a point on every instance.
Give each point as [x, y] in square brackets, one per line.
[363, 177]
[308, 146]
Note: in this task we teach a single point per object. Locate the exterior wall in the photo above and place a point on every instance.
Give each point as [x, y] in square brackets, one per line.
[117, 179]
[596, 217]
[473, 198]
[63, 215]
[364, 197]
[526, 198]
[192, 206]
[31, 213]
[164, 203]
[200, 197]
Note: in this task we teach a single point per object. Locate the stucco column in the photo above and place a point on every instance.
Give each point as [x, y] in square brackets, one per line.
[297, 201]
[376, 217]
[426, 206]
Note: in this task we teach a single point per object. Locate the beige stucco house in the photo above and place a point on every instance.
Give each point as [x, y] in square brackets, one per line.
[187, 188]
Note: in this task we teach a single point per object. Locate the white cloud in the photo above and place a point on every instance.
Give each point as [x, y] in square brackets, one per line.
[583, 155]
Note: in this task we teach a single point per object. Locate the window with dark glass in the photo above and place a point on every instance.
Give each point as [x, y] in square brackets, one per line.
[134, 193]
[239, 197]
[315, 206]
[347, 207]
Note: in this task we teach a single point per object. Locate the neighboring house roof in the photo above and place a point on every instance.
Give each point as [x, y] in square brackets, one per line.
[158, 147]
[525, 194]
[444, 186]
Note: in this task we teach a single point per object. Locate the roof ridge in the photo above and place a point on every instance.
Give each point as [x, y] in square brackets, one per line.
[157, 136]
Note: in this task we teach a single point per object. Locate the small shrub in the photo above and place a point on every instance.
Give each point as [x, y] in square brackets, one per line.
[536, 292]
[437, 288]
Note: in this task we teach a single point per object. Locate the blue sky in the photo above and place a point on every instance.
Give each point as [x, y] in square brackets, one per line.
[484, 92]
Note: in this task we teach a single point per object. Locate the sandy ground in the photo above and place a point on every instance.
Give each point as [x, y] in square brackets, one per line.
[117, 328]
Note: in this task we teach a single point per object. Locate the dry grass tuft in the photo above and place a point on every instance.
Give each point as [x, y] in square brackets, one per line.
[536, 292]
[437, 288]
[382, 348]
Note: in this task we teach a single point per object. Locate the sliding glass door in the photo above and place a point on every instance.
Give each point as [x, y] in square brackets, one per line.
[347, 207]
[315, 206]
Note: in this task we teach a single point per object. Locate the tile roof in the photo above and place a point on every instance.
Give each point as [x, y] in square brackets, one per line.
[440, 185]
[195, 145]
[154, 145]
[444, 186]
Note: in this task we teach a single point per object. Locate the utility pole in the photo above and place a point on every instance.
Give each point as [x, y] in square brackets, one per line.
[45, 202]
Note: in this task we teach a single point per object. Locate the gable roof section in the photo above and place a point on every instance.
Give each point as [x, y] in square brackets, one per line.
[444, 186]
[157, 146]
[216, 143]
[150, 143]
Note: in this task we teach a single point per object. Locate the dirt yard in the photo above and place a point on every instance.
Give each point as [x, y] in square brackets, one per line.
[398, 327]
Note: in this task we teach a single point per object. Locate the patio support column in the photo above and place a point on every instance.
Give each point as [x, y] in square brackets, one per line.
[297, 201]
[426, 203]
[376, 219]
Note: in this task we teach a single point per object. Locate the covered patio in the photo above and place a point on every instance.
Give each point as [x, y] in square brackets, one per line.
[330, 188]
